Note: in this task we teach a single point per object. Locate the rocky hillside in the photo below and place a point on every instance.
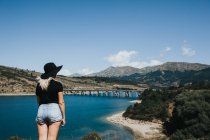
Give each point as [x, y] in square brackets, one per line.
[169, 66]
[15, 80]
[116, 71]
[175, 66]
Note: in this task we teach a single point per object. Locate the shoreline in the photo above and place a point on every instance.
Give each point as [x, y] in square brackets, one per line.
[140, 129]
[135, 101]
[17, 94]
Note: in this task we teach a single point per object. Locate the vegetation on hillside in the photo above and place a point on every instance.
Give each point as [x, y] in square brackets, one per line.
[112, 80]
[154, 105]
[190, 117]
[167, 78]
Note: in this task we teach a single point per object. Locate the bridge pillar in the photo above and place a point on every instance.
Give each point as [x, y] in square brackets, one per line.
[126, 94]
[82, 93]
[90, 94]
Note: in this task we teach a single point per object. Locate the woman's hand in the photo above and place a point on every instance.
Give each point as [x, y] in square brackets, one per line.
[62, 107]
[63, 122]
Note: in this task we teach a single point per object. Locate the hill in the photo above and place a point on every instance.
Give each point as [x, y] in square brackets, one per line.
[169, 66]
[116, 71]
[184, 112]
[175, 66]
[15, 80]
[169, 78]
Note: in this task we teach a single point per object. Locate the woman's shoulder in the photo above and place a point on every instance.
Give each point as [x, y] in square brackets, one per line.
[58, 85]
[57, 82]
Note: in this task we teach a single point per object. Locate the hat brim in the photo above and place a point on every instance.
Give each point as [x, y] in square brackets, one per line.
[52, 73]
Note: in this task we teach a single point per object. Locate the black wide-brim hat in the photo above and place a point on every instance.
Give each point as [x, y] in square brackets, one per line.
[51, 70]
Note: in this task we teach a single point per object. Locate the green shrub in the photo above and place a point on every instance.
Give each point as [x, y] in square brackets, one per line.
[15, 138]
[92, 136]
[153, 106]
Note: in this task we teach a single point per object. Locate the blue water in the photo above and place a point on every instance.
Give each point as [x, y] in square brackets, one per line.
[84, 114]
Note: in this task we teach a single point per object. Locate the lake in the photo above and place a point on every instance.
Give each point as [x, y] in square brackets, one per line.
[84, 114]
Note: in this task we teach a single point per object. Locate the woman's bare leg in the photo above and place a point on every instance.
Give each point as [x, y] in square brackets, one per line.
[42, 131]
[53, 130]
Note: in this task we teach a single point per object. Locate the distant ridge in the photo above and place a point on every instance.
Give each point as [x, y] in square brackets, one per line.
[75, 75]
[165, 78]
[116, 71]
[168, 66]
[176, 66]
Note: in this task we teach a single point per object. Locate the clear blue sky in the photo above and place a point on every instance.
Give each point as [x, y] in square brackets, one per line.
[90, 35]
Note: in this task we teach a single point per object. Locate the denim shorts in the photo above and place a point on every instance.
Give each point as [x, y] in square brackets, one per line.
[48, 113]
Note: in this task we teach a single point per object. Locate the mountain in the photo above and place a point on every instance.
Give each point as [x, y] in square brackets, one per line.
[15, 80]
[168, 66]
[197, 76]
[170, 78]
[116, 71]
[75, 75]
[175, 66]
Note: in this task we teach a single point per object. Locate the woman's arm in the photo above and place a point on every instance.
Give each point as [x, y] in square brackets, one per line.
[62, 106]
[38, 100]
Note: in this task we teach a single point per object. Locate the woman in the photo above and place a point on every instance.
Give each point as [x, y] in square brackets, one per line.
[51, 111]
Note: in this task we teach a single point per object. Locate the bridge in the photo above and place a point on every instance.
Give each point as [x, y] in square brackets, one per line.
[103, 92]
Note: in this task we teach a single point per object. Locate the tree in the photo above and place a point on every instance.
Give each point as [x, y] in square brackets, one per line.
[191, 116]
